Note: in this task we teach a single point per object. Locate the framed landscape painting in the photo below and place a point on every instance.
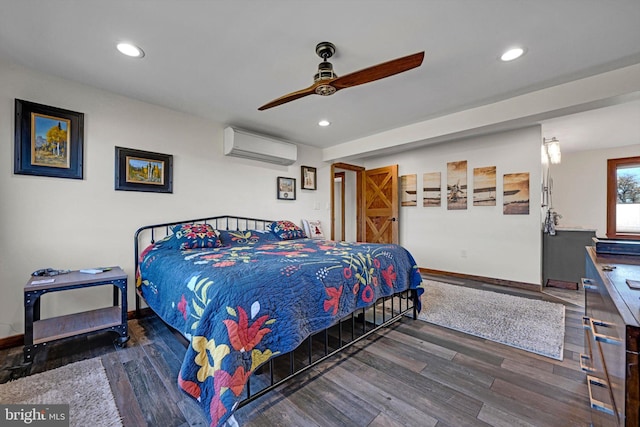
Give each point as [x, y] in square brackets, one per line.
[137, 170]
[48, 141]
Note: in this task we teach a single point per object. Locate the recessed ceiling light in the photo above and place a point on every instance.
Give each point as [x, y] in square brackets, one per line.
[130, 50]
[324, 123]
[512, 54]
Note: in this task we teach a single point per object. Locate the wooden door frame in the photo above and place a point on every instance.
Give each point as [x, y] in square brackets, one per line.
[359, 170]
[342, 175]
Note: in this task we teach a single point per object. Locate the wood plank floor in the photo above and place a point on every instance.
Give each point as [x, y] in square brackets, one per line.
[411, 374]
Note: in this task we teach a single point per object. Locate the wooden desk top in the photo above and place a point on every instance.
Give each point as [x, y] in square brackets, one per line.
[74, 278]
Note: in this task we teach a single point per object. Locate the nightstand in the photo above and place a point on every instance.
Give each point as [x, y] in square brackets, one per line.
[39, 332]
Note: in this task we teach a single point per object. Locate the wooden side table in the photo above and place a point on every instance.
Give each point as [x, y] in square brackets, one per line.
[39, 332]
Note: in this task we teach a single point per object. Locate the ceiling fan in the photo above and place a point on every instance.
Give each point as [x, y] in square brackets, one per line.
[326, 82]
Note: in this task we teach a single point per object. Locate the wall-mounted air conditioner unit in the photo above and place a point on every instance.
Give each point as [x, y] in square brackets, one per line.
[240, 143]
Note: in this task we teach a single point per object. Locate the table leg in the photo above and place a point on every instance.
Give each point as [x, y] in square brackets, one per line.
[31, 314]
[123, 328]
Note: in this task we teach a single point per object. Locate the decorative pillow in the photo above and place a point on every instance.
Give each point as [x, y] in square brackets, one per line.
[194, 236]
[286, 230]
[167, 241]
[245, 237]
[313, 229]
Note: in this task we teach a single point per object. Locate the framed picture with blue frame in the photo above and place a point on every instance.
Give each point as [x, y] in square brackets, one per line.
[48, 141]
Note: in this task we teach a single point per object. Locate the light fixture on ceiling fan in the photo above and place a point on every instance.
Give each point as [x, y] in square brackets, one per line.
[326, 82]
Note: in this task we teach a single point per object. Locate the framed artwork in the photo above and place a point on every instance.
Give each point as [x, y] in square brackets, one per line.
[137, 170]
[484, 186]
[286, 188]
[516, 193]
[48, 141]
[309, 180]
[409, 190]
[431, 192]
[457, 185]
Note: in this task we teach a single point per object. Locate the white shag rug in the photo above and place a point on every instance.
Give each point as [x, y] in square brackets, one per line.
[532, 325]
[83, 385]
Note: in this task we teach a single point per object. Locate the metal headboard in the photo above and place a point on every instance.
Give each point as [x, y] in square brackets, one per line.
[148, 234]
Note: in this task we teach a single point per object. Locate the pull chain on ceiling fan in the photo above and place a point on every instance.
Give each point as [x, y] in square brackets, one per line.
[326, 82]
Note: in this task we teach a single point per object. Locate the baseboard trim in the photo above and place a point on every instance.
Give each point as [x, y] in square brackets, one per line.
[12, 341]
[500, 282]
[18, 340]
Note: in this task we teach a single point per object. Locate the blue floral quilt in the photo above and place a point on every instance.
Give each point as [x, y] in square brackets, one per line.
[257, 297]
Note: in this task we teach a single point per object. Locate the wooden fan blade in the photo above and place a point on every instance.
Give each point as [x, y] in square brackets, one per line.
[379, 71]
[311, 90]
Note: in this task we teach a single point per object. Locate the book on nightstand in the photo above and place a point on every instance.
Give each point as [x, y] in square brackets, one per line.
[95, 270]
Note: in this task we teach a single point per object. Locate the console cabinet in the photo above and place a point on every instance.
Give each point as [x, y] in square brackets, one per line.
[612, 338]
[563, 256]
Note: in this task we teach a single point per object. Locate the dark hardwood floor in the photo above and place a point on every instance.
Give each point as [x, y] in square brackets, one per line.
[411, 374]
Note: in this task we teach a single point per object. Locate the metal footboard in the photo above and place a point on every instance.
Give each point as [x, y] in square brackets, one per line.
[372, 319]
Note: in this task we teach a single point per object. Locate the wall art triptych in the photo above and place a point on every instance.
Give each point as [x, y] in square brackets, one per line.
[515, 189]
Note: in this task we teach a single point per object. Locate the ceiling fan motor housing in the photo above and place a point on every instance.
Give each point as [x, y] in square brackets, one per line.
[325, 71]
[325, 50]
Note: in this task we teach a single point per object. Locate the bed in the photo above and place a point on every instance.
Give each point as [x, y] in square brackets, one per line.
[249, 294]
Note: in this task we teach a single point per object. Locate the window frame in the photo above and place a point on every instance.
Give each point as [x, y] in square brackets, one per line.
[612, 196]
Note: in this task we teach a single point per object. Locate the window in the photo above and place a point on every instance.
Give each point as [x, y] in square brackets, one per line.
[623, 198]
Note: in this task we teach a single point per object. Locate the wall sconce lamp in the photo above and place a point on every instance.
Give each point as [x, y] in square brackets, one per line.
[551, 150]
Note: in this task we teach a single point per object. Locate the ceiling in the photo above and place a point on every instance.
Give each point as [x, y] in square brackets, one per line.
[223, 59]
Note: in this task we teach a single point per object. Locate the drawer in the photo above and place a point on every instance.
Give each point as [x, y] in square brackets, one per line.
[603, 413]
[592, 360]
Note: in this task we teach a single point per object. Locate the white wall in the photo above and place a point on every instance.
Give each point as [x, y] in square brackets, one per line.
[72, 224]
[478, 241]
[580, 187]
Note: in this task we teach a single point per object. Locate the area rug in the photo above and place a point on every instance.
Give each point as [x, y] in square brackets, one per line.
[532, 325]
[83, 385]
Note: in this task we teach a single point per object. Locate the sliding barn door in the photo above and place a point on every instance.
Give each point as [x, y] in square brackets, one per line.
[381, 205]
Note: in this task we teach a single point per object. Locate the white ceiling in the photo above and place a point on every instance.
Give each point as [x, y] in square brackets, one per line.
[222, 59]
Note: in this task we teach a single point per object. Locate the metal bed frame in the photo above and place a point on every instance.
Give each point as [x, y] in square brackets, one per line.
[380, 314]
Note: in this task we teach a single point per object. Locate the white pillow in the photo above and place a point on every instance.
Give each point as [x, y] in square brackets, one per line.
[313, 229]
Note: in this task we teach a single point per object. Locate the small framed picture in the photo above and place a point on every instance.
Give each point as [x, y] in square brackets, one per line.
[308, 178]
[286, 188]
[137, 170]
[48, 141]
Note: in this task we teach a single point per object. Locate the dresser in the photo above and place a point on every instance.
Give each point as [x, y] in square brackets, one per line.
[612, 338]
